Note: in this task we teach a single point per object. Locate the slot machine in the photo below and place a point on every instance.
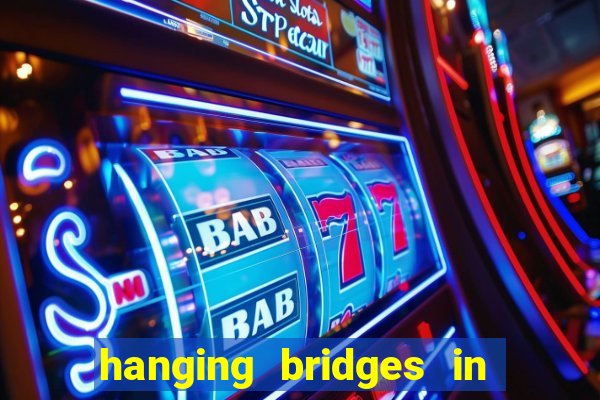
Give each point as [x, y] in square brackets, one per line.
[219, 170]
[543, 274]
[545, 160]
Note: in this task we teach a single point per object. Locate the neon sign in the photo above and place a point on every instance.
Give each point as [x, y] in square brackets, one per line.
[544, 127]
[65, 234]
[301, 22]
[42, 161]
[68, 230]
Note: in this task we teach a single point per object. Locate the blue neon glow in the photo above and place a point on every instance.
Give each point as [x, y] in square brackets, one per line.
[37, 150]
[366, 4]
[555, 180]
[159, 257]
[211, 33]
[543, 127]
[174, 101]
[558, 205]
[502, 52]
[479, 18]
[67, 229]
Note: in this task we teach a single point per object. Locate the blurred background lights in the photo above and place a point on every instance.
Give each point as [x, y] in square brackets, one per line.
[24, 71]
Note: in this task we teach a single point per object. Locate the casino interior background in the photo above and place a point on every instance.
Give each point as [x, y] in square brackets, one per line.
[418, 168]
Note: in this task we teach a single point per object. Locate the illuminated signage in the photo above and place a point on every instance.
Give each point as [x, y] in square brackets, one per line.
[189, 153]
[44, 161]
[370, 48]
[301, 22]
[489, 49]
[553, 155]
[320, 37]
[544, 127]
[65, 235]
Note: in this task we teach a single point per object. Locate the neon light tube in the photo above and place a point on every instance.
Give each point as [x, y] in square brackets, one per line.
[489, 211]
[168, 100]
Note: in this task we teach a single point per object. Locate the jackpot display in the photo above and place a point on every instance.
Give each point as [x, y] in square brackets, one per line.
[276, 236]
[321, 38]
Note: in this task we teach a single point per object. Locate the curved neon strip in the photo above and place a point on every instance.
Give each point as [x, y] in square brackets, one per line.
[168, 100]
[53, 310]
[159, 256]
[532, 211]
[508, 250]
[537, 192]
[556, 203]
[44, 148]
[452, 73]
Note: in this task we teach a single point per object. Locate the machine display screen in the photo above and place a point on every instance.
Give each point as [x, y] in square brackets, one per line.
[144, 217]
[321, 38]
[553, 155]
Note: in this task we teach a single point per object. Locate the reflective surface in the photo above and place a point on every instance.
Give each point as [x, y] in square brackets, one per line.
[324, 39]
[140, 219]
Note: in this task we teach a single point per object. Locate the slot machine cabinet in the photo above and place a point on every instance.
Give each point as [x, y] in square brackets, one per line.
[455, 74]
[550, 193]
[171, 182]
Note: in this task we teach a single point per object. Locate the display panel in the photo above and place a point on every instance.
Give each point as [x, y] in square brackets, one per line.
[152, 210]
[319, 37]
[553, 155]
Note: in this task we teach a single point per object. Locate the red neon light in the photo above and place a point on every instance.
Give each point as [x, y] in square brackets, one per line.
[478, 37]
[537, 192]
[573, 198]
[488, 207]
[452, 73]
[532, 211]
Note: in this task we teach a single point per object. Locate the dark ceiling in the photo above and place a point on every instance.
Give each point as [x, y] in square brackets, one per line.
[547, 37]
